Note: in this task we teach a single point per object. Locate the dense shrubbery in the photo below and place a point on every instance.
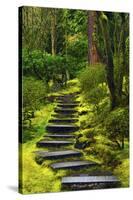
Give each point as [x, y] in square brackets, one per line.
[117, 126]
[47, 67]
[93, 85]
[34, 92]
[77, 47]
[92, 76]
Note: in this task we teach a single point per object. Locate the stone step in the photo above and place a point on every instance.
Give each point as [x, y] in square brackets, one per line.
[65, 111]
[68, 105]
[53, 143]
[73, 164]
[63, 120]
[59, 136]
[62, 128]
[68, 101]
[89, 182]
[57, 154]
[67, 96]
[68, 116]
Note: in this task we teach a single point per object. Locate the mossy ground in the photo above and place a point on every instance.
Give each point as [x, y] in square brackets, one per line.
[36, 178]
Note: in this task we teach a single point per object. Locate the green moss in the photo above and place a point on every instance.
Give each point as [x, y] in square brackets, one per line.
[32, 134]
[122, 171]
[92, 142]
[89, 133]
[35, 178]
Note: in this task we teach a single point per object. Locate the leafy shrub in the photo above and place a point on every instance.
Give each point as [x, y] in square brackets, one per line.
[33, 95]
[77, 47]
[87, 121]
[105, 153]
[93, 84]
[47, 67]
[117, 126]
[91, 77]
[95, 96]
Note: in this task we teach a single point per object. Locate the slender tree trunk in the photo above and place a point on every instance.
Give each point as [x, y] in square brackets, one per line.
[53, 31]
[90, 32]
[109, 65]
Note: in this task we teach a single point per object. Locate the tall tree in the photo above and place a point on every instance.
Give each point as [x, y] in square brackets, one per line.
[109, 62]
[92, 50]
[53, 31]
[122, 53]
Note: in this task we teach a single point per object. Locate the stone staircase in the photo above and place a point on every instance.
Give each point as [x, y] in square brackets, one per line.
[61, 138]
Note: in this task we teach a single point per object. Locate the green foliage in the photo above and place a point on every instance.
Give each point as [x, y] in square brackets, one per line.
[117, 125]
[87, 121]
[38, 122]
[75, 44]
[93, 84]
[103, 110]
[48, 68]
[101, 131]
[96, 95]
[34, 92]
[91, 77]
[76, 21]
[122, 171]
[33, 177]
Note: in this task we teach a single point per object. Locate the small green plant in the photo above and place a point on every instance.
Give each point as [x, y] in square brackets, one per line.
[117, 126]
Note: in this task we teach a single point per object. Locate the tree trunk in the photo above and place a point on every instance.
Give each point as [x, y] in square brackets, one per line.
[122, 55]
[92, 50]
[109, 65]
[53, 31]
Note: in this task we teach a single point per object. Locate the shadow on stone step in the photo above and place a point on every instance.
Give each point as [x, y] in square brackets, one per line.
[60, 128]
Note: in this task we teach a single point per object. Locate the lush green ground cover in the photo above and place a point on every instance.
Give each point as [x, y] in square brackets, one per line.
[37, 178]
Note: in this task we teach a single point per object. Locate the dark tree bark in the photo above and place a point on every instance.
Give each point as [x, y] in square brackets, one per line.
[92, 50]
[109, 63]
[122, 54]
[90, 32]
